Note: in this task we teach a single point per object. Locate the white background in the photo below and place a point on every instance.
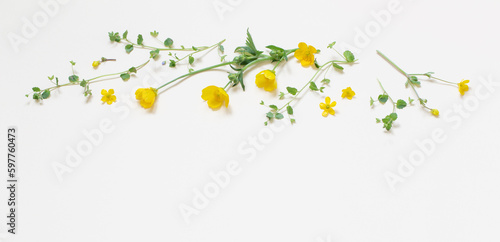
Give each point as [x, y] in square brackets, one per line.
[323, 179]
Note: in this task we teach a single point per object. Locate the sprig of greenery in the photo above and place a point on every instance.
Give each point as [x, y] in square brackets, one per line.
[389, 119]
[310, 85]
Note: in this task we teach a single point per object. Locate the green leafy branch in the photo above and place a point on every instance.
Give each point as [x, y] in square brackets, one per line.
[389, 120]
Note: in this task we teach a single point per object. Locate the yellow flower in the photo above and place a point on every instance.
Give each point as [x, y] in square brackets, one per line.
[348, 93]
[215, 96]
[305, 54]
[328, 107]
[95, 64]
[108, 97]
[462, 87]
[146, 96]
[435, 112]
[266, 79]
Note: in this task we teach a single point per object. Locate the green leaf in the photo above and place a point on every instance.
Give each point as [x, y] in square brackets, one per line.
[251, 45]
[73, 78]
[172, 63]
[371, 101]
[57, 81]
[132, 70]
[316, 63]
[261, 102]
[114, 37]
[154, 53]
[382, 98]
[321, 89]
[125, 76]
[72, 63]
[292, 120]
[393, 116]
[139, 39]
[191, 60]
[325, 81]
[332, 44]
[125, 34]
[83, 83]
[35, 89]
[221, 49]
[270, 115]
[414, 80]
[349, 56]
[279, 116]
[400, 104]
[154, 34]
[282, 95]
[129, 48]
[274, 107]
[45, 94]
[337, 66]
[289, 109]
[51, 77]
[410, 101]
[168, 42]
[377, 120]
[313, 86]
[291, 90]
[36, 96]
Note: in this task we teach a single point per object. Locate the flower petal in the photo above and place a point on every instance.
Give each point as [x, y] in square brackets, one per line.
[325, 113]
[328, 100]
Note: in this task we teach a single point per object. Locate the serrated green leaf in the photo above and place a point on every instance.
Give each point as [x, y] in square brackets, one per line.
[270, 115]
[154, 53]
[172, 63]
[168, 42]
[289, 109]
[125, 76]
[191, 60]
[349, 56]
[35, 89]
[382, 98]
[129, 48]
[400, 104]
[279, 116]
[36, 96]
[292, 90]
[139, 39]
[83, 83]
[154, 34]
[313, 86]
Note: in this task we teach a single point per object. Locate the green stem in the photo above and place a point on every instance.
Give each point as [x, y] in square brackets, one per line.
[196, 72]
[439, 79]
[393, 64]
[392, 101]
[277, 64]
[166, 49]
[200, 50]
[307, 84]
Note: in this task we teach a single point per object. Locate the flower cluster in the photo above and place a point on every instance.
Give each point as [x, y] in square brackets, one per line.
[247, 56]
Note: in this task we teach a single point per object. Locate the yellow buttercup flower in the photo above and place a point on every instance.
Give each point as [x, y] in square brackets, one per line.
[215, 96]
[108, 97]
[146, 96]
[305, 54]
[95, 64]
[328, 107]
[266, 79]
[462, 87]
[348, 93]
[435, 112]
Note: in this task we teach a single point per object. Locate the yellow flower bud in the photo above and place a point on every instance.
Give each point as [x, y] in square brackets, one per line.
[95, 64]
[435, 112]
